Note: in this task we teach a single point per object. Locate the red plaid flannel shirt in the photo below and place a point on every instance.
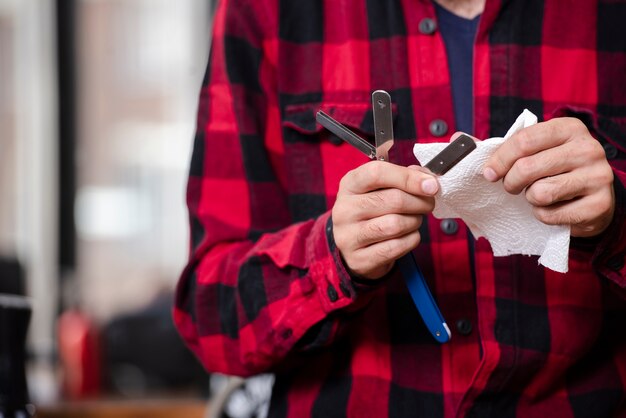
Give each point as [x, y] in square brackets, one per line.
[265, 288]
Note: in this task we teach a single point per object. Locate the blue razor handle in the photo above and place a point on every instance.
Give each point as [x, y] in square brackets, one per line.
[423, 299]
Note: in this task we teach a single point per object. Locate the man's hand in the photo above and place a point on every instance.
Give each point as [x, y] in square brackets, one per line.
[378, 213]
[564, 171]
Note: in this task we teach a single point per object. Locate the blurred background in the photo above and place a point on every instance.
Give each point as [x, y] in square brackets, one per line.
[98, 101]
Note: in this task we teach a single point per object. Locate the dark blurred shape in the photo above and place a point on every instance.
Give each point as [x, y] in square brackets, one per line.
[66, 73]
[15, 314]
[144, 354]
[11, 277]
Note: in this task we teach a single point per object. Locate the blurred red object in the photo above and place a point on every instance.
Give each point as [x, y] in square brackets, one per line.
[79, 352]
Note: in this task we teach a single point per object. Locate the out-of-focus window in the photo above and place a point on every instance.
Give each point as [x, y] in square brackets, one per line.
[140, 64]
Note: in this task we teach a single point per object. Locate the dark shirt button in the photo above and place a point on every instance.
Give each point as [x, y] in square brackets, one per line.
[332, 293]
[449, 226]
[438, 127]
[427, 26]
[344, 290]
[610, 150]
[616, 263]
[335, 140]
[464, 326]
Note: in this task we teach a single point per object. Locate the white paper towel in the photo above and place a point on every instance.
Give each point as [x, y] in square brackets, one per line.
[505, 220]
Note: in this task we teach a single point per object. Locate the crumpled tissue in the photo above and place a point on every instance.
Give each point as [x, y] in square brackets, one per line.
[504, 219]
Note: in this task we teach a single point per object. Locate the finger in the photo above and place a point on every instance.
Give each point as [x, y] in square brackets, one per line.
[423, 170]
[385, 228]
[551, 190]
[579, 182]
[382, 175]
[377, 259]
[587, 216]
[381, 202]
[529, 141]
[546, 163]
[457, 134]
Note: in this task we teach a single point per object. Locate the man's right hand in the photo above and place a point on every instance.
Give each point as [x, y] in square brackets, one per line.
[377, 215]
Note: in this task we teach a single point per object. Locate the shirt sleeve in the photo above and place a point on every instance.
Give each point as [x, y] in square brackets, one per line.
[610, 253]
[257, 286]
[609, 248]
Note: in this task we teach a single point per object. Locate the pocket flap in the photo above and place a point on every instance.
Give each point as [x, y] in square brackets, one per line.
[356, 116]
[606, 129]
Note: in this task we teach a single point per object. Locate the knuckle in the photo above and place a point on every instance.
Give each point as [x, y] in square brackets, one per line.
[605, 206]
[604, 202]
[607, 176]
[342, 183]
[374, 228]
[400, 226]
[359, 264]
[591, 148]
[414, 240]
[586, 227]
[509, 185]
[576, 124]
[386, 250]
[363, 236]
[339, 212]
[393, 225]
[342, 239]
[364, 175]
[540, 215]
[393, 249]
[546, 216]
[360, 176]
[341, 242]
[375, 169]
[371, 200]
[497, 162]
[561, 216]
[360, 260]
[524, 142]
[408, 182]
[525, 166]
[394, 199]
[575, 218]
[540, 194]
[349, 178]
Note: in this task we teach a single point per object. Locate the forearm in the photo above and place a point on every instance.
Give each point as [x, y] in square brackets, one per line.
[243, 306]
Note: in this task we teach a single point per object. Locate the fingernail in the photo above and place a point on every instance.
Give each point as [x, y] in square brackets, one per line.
[429, 186]
[489, 174]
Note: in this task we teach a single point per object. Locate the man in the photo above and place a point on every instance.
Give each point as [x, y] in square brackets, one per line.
[295, 235]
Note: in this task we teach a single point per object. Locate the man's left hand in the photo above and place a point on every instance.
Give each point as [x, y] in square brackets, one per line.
[564, 172]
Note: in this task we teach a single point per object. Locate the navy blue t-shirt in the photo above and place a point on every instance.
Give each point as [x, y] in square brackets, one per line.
[458, 35]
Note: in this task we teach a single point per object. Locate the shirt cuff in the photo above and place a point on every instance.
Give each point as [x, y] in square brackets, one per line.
[358, 285]
[610, 248]
[334, 283]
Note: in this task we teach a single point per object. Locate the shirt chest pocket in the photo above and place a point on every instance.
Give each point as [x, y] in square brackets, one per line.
[315, 159]
[609, 131]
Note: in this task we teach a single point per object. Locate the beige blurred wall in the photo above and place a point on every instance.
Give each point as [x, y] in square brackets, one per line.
[141, 63]
[140, 66]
